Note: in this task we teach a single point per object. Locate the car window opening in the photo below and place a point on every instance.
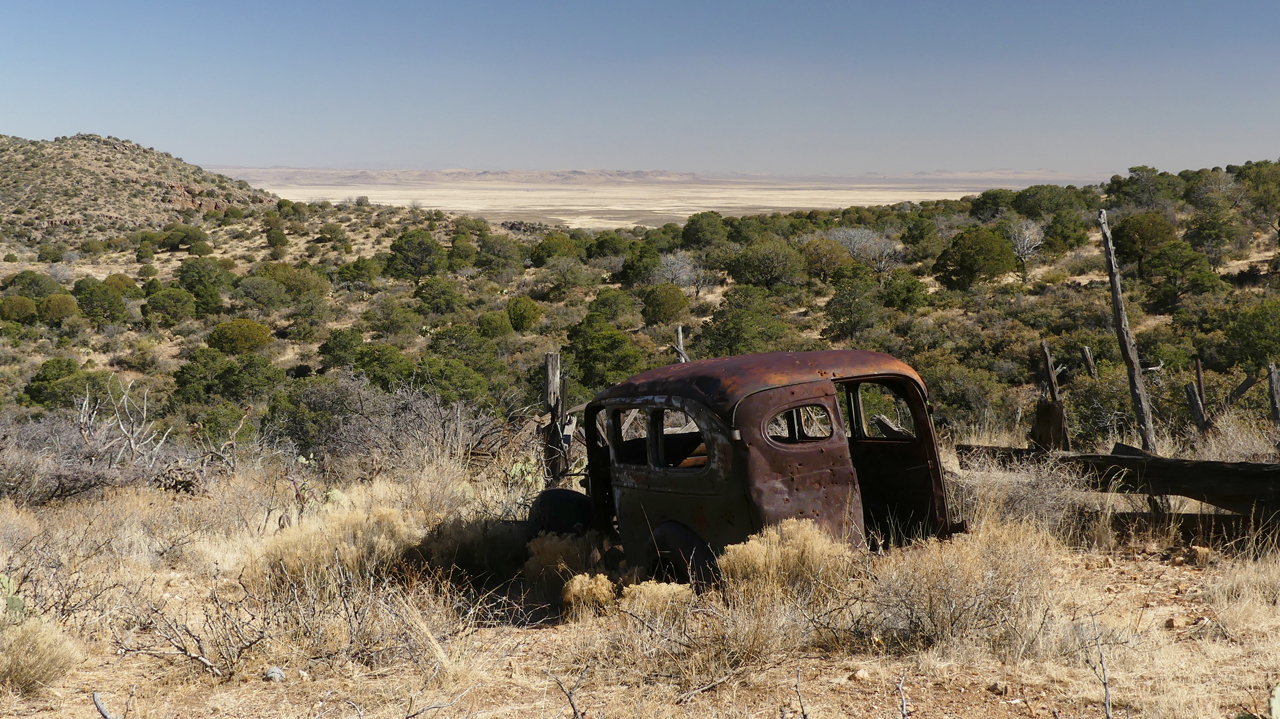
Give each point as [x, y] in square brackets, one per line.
[810, 423]
[683, 444]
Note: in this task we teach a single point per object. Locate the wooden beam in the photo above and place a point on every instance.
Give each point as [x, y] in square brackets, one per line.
[1251, 488]
[1128, 348]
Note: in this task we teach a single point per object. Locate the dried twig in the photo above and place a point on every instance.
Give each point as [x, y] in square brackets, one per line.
[102, 708]
[804, 713]
[569, 693]
[902, 694]
[411, 714]
[691, 694]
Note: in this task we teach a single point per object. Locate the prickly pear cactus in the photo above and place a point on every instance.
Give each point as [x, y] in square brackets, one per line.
[11, 604]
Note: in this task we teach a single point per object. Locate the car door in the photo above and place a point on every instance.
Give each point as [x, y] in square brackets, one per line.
[797, 459]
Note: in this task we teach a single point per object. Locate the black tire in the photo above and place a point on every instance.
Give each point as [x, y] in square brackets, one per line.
[684, 557]
[562, 511]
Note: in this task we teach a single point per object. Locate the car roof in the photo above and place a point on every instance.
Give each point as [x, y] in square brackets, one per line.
[723, 382]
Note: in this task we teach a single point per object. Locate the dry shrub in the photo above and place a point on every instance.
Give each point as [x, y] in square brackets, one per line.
[1236, 437]
[18, 526]
[587, 595]
[660, 603]
[561, 556]
[33, 654]
[362, 542]
[992, 588]
[796, 556]
[1043, 493]
[1246, 594]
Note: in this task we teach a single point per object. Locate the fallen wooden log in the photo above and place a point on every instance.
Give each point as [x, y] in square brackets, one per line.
[1251, 488]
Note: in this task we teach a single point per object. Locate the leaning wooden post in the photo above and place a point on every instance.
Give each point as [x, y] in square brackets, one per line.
[1273, 382]
[1088, 361]
[1200, 380]
[1197, 407]
[680, 344]
[553, 400]
[1128, 349]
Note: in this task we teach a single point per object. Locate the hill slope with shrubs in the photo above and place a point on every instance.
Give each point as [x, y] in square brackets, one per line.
[234, 314]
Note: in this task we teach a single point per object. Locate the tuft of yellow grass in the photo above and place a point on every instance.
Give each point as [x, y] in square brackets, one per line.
[586, 596]
[796, 556]
[363, 542]
[34, 654]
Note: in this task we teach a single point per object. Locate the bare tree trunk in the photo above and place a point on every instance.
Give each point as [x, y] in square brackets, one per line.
[1128, 349]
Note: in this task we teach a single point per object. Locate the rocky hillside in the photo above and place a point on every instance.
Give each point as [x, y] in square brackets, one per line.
[88, 186]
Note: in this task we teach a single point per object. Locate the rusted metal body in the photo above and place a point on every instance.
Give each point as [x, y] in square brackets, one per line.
[728, 446]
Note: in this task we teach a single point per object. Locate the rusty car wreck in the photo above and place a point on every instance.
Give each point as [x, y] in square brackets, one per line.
[686, 459]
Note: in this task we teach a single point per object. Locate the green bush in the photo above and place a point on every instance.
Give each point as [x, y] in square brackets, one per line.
[494, 324]
[31, 284]
[555, 244]
[239, 336]
[148, 270]
[123, 285]
[613, 304]
[101, 305]
[415, 256]
[49, 253]
[976, 254]
[1139, 237]
[17, 308]
[200, 249]
[704, 229]
[170, 306]
[663, 303]
[768, 263]
[523, 313]
[56, 308]
[439, 296]
[339, 349]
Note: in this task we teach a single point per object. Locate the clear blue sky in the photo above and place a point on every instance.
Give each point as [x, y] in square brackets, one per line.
[772, 87]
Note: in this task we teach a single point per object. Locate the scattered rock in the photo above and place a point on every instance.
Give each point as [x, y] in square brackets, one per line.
[1178, 622]
[862, 675]
[998, 689]
[274, 674]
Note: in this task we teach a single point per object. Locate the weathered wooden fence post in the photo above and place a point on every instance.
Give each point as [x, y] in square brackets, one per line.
[1273, 381]
[554, 451]
[1088, 361]
[1128, 349]
[1200, 381]
[1197, 407]
[1050, 428]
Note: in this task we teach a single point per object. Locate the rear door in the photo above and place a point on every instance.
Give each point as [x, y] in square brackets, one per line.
[797, 455]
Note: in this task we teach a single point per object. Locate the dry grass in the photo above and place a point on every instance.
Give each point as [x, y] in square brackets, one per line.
[34, 654]
[279, 567]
